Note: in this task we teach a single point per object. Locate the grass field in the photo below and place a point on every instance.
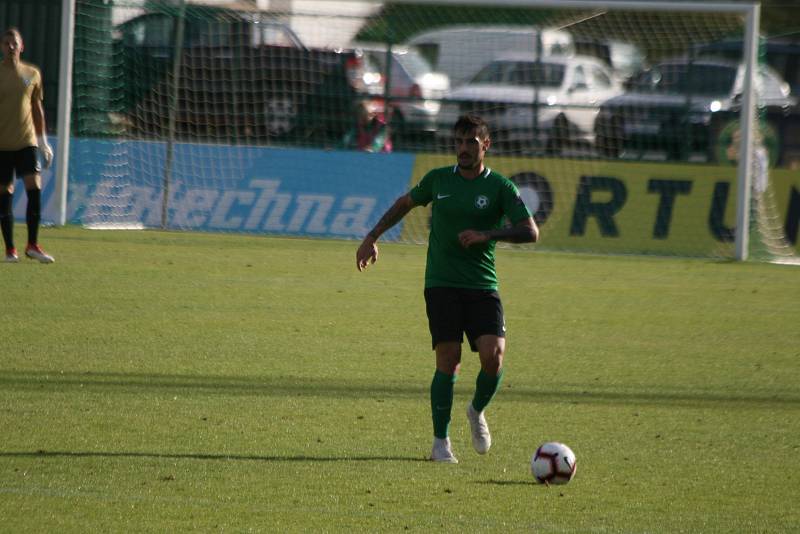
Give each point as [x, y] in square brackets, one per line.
[173, 382]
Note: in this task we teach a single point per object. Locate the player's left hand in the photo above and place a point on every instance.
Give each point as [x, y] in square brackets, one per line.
[47, 154]
[467, 238]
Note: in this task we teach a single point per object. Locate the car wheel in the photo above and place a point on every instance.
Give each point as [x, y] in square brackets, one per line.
[608, 140]
[559, 136]
[279, 116]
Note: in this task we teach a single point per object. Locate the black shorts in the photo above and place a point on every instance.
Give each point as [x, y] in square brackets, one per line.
[21, 162]
[453, 311]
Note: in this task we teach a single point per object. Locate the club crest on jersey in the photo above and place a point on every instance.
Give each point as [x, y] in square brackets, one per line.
[26, 81]
[481, 202]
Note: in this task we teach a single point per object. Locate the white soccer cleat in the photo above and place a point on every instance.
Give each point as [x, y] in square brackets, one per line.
[11, 255]
[481, 438]
[35, 252]
[442, 452]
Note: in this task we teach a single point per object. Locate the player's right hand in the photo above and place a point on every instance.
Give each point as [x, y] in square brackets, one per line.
[367, 253]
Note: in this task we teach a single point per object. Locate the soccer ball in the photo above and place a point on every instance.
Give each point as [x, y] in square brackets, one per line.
[553, 463]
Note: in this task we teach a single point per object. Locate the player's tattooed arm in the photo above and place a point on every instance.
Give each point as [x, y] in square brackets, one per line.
[393, 215]
[524, 231]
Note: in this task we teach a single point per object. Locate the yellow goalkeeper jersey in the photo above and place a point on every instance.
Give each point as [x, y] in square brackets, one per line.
[19, 85]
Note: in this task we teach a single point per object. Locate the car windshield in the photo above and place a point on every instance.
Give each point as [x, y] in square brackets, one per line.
[523, 73]
[679, 79]
[413, 63]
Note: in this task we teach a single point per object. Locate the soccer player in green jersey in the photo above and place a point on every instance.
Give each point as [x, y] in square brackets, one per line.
[470, 205]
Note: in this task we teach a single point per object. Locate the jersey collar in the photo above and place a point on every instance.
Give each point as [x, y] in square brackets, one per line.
[485, 173]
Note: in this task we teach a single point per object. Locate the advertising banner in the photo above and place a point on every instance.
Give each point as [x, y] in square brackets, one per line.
[229, 188]
[581, 205]
[629, 207]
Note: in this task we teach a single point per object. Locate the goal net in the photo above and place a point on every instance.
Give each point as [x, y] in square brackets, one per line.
[621, 124]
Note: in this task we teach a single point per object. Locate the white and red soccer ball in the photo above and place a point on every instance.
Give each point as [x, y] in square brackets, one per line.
[553, 463]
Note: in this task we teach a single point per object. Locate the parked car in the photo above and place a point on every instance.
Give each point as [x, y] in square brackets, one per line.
[780, 53]
[532, 104]
[243, 74]
[461, 51]
[625, 59]
[415, 89]
[680, 107]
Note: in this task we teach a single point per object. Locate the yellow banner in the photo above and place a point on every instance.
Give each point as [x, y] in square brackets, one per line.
[631, 207]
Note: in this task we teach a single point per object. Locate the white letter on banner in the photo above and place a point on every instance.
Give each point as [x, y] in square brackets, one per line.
[317, 223]
[219, 218]
[268, 192]
[279, 204]
[192, 210]
[355, 222]
[146, 205]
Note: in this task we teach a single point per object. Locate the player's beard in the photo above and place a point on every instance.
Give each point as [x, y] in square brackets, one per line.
[470, 162]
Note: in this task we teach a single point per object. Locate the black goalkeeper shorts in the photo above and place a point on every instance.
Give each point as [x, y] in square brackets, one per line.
[20, 162]
[453, 312]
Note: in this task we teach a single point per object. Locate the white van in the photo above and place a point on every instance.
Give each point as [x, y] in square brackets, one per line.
[461, 51]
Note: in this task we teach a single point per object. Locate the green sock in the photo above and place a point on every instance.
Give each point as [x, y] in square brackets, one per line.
[441, 402]
[485, 387]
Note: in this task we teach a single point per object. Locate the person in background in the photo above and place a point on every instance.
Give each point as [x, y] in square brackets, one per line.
[370, 133]
[22, 135]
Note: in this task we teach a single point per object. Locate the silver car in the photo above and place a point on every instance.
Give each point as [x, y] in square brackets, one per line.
[531, 104]
[415, 89]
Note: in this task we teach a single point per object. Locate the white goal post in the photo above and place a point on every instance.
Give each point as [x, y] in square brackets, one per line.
[64, 108]
[748, 11]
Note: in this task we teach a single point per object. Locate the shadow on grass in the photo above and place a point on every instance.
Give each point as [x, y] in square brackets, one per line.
[199, 456]
[295, 386]
[510, 483]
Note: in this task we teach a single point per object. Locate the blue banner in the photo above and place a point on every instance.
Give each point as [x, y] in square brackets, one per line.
[301, 192]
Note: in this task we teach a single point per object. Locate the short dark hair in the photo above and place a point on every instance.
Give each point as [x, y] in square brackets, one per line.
[469, 122]
[13, 31]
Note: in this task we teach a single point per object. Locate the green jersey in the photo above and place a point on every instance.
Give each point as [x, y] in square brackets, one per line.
[459, 204]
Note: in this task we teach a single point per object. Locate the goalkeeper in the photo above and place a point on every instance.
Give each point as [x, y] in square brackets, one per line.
[470, 203]
[21, 123]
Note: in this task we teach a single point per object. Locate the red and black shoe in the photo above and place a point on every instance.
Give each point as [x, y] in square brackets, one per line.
[35, 252]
